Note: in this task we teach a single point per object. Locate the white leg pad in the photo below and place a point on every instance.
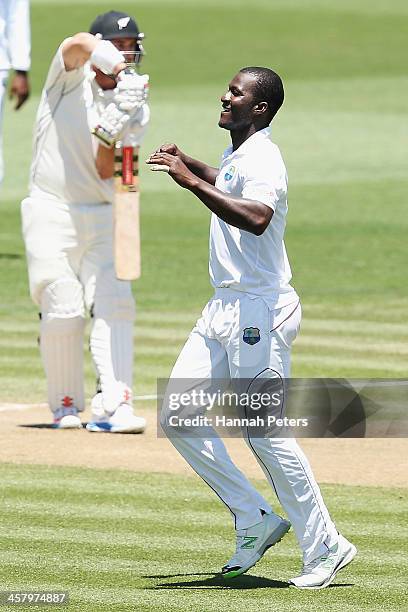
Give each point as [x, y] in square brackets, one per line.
[112, 349]
[61, 343]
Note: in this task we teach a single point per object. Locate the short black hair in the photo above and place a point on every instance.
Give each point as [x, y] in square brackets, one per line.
[268, 87]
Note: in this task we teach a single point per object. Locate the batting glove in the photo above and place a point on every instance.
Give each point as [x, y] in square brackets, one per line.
[131, 91]
[111, 124]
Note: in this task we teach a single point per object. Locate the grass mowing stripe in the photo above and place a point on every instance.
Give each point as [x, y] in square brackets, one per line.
[160, 319]
[13, 360]
[355, 326]
[30, 480]
[111, 508]
[87, 562]
[331, 341]
[155, 541]
[359, 364]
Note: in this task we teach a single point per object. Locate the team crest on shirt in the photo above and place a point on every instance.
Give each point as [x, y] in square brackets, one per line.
[229, 173]
[252, 335]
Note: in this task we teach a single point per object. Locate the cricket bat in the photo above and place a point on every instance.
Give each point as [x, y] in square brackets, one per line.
[126, 229]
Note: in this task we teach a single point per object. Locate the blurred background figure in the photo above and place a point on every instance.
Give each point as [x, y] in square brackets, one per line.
[15, 44]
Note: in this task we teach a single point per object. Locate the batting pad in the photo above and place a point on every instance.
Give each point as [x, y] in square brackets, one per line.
[111, 347]
[61, 343]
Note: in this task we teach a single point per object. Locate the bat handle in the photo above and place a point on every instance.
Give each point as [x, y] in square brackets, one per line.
[127, 165]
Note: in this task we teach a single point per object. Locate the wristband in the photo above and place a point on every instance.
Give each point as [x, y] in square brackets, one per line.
[106, 56]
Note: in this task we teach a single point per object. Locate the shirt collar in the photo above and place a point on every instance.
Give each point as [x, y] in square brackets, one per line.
[249, 142]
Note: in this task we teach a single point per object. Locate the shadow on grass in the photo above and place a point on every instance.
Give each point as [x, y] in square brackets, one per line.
[38, 425]
[83, 428]
[216, 581]
[11, 256]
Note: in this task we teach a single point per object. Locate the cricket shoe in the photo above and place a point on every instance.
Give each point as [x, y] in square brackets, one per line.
[252, 543]
[67, 418]
[321, 572]
[123, 420]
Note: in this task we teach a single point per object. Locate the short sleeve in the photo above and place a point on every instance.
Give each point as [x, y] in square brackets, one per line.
[265, 180]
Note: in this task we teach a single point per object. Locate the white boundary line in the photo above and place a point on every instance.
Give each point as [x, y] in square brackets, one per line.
[9, 407]
[20, 407]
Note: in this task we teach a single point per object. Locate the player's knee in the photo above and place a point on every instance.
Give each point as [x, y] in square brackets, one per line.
[63, 299]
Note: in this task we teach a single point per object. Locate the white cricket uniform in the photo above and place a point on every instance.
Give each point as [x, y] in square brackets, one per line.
[15, 42]
[253, 297]
[68, 230]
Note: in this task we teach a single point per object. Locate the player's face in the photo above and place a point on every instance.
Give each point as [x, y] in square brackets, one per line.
[131, 48]
[124, 44]
[238, 102]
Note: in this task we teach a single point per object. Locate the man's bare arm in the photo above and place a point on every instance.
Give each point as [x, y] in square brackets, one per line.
[249, 215]
[104, 162]
[78, 50]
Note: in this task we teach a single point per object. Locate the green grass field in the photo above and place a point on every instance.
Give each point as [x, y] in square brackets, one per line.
[120, 541]
[127, 541]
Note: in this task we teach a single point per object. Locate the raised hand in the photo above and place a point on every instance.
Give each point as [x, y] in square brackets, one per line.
[171, 163]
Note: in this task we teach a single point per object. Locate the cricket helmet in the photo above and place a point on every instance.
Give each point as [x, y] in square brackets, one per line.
[115, 24]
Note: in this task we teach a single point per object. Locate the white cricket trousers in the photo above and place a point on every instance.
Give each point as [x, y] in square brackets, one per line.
[216, 349]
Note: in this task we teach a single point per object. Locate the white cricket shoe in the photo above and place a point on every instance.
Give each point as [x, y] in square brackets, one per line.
[252, 543]
[123, 420]
[67, 418]
[321, 572]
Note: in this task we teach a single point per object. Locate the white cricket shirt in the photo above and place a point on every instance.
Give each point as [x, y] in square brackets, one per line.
[240, 260]
[64, 149]
[14, 34]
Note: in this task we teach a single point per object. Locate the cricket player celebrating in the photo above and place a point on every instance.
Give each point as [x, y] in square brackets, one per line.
[247, 328]
[14, 54]
[67, 221]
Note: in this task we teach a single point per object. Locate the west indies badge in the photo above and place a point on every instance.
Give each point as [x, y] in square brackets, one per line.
[252, 335]
[229, 173]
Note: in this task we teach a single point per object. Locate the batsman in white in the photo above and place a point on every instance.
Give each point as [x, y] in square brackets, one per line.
[14, 54]
[67, 221]
[246, 331]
